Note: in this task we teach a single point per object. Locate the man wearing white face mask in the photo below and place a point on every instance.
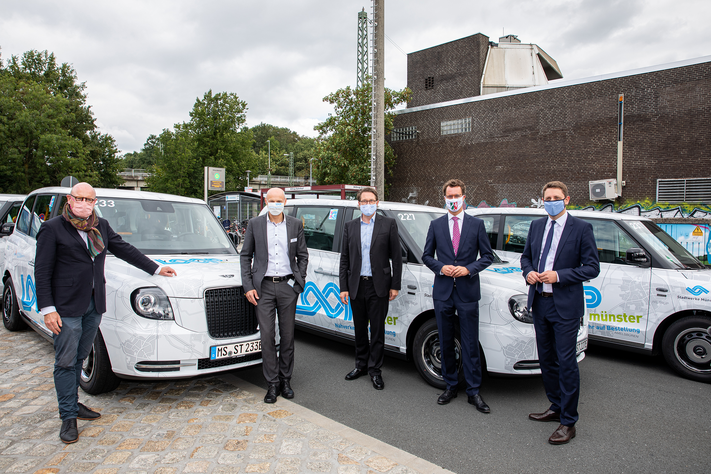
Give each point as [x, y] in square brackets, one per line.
[369, 283]
[273, 263]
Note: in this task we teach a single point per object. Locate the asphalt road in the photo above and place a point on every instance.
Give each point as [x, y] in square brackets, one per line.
[635, 414]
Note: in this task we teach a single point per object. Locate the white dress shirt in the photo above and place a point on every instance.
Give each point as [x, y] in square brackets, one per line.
[557, 232]
[278, 246]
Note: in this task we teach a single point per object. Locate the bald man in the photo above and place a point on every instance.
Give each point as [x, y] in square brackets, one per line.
[273, 262]
[71, 292]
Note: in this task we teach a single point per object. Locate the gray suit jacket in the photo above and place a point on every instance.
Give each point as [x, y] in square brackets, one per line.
[255, 256]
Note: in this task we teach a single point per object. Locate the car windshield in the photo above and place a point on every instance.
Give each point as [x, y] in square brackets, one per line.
[670, 249]
[163, 227]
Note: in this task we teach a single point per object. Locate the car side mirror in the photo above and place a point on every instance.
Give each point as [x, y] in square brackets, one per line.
[637, 256]
[7, 228]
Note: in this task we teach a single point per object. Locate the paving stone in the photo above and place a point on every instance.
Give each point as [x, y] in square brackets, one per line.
[380, 463]
[266, 438]
[197, 466]
[289, 446]
[321, 466]
[343, 459]
[155, 446]
[118, 457]
[236, 445]
[349, 470]
[261, 467]
[204, 452]
[230, 458]
[144, 461]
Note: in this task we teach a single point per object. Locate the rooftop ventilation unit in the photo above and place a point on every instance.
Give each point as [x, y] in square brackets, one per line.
[602, 190]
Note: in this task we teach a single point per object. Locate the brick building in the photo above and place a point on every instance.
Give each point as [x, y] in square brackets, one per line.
[506, 145]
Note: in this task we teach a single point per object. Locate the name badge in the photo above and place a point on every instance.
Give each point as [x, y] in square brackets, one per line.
[293, 240]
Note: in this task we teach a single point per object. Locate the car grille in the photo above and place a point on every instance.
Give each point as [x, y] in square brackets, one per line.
[229, 314]
[209, 364]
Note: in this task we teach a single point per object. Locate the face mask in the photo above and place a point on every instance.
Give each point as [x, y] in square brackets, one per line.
[454, 205]
[82, 210]
[368, 209]
[275, 208]
[553, 208]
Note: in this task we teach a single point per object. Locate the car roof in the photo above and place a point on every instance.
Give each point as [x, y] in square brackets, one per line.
[12, 197]
[386, 205]
[122, 193]
[478, 211]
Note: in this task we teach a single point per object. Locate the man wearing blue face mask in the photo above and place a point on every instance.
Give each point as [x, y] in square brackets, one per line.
[560, 254]
[367, 280]
[273, 262]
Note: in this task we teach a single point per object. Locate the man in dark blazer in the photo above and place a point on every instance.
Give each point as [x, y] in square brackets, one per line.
[273, 262]
[560, 254]
[71, 292]
[463, 251]
[370, 243]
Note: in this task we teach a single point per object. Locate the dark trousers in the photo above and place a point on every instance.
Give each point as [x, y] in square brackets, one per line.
[71, 346]
[468, 313]
[277, 300]
[556, 340]
[368, 307]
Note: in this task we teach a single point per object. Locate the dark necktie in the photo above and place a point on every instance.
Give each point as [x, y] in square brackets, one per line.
[544, 255]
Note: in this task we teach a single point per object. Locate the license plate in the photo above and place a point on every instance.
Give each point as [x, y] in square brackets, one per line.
[581, 346]
[235, 350]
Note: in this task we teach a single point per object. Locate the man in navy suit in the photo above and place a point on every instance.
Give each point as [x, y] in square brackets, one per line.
[463, 251]
[560, 254]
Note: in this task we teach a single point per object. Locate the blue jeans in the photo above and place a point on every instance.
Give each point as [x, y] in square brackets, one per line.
[71, 347]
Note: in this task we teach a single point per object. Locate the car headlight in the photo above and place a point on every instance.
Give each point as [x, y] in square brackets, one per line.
[151, 303]
[517, 307]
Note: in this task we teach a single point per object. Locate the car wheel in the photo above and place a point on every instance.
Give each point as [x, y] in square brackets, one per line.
[428, 355]
[96, 374]
[687, 347]
[10, 311]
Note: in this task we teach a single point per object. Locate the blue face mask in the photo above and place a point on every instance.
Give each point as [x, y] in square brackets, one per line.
[368, 209]
[553, 208]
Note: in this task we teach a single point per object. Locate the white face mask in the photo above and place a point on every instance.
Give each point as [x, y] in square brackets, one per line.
[454, 205]
[275, 208]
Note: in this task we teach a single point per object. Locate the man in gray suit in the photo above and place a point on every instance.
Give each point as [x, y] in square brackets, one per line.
[273, 261]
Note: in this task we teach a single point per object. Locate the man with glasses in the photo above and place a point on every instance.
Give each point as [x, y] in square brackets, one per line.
[463, 251]
[71, 292]
[367, 280]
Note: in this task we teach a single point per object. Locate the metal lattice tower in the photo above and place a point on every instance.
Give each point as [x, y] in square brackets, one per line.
[362, 48]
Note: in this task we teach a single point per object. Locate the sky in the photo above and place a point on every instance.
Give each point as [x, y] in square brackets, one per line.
[146, 62]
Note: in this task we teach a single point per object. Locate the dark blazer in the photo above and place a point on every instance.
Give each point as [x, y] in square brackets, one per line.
[64, 272]
[255, 255]
[576, 261]
[384, 247]
[473, 243]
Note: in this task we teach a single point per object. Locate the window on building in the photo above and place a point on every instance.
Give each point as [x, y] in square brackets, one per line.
[403, 133]
[451, 127]
[429, 83]
[684, 190]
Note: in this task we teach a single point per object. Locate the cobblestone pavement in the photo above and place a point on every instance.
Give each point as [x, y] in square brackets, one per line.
[215, 424]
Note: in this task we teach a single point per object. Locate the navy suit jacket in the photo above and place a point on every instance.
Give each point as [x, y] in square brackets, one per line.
[576, 261]
[473, 243]
[65, 274]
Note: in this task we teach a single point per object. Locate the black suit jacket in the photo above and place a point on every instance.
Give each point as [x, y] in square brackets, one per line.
[384, 246]
[65, 273]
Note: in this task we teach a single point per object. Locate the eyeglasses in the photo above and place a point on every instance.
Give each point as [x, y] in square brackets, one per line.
[453, 196]
[83, 199]
[368, 202]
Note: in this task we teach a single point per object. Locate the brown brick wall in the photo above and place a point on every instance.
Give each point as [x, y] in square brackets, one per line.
[519, 142]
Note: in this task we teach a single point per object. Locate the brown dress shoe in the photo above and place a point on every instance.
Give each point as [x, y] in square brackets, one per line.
[548, 415]
[562, 435]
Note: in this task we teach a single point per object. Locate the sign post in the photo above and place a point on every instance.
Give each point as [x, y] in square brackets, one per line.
[214, 179]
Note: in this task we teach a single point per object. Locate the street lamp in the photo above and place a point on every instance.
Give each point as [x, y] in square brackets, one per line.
[311, 171]
[247, 178]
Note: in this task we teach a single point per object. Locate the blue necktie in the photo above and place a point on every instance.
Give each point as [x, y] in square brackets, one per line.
[544, 255]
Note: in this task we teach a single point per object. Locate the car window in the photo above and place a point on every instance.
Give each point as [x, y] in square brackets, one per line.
[491, 224]
[516, 232]
[612, 242]
[40, 213]
[12, 215]
[319, 226]
[23, 222]
[417, 223]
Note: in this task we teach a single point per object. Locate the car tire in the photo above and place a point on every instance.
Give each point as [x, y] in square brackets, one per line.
[96, 374]
[11, 317]
[686, 346]
[427, 355]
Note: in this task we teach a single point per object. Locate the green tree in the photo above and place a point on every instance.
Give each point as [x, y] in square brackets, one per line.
[283, 141]
[47, 130]
[344, 137]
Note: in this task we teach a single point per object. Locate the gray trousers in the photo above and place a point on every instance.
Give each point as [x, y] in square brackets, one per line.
[277, 299]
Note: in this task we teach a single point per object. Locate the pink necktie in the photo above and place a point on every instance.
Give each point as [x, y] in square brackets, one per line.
[455, 234]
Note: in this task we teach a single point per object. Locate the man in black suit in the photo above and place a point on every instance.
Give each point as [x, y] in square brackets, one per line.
[71, 292]
[273, 261]
[560, 254]
[370, 243]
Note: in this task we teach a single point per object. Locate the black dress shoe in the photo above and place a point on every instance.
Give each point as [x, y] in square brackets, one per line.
[86, 413]
[355, 373]
[447, 396]
[69, 433]
[272, 394]
[548, 415]
[562, 435]
[378, 383]
[479, 403]
[286, 390]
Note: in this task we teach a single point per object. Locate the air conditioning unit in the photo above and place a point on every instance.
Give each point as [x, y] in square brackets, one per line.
[603, 189]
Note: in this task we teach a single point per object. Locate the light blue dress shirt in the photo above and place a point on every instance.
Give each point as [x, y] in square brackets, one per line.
[366, 235]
